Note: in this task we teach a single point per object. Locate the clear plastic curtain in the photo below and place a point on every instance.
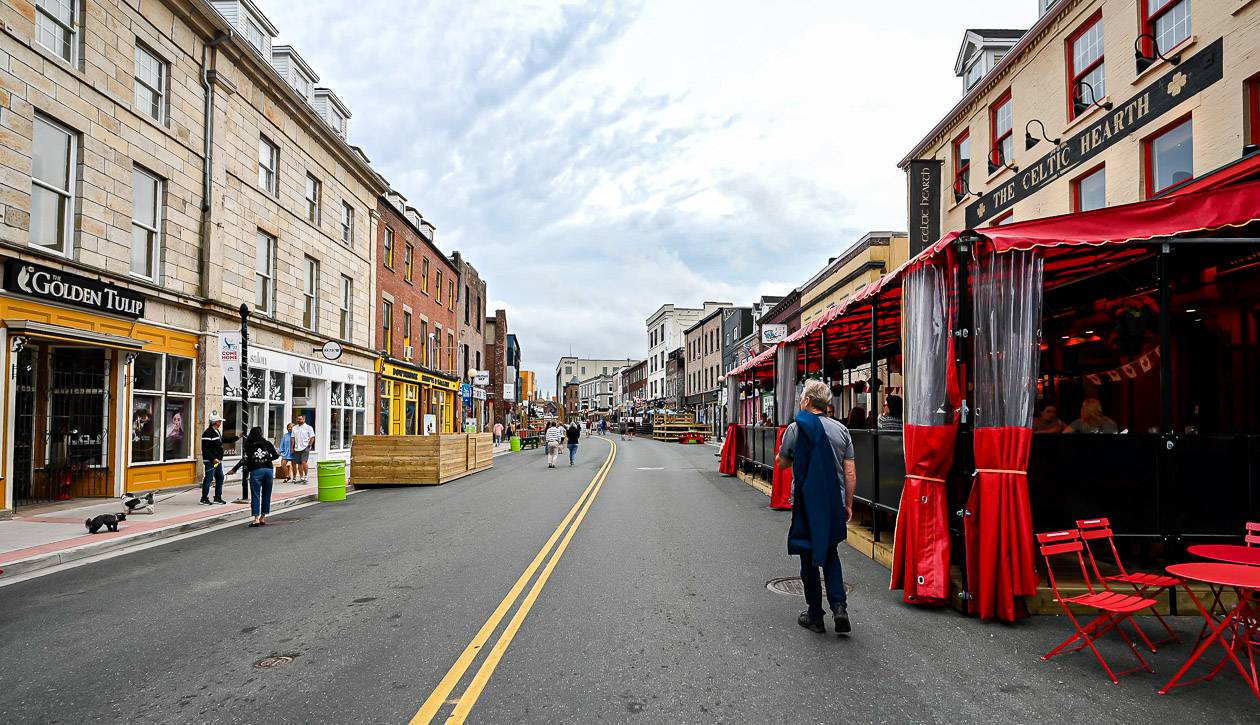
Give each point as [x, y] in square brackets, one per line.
[921, 543]
[732, 400]
[1006, 300]
[785, 384]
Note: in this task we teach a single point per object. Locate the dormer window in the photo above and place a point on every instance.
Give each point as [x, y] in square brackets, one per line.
[302, 85]
[975, 72]
[253, 34]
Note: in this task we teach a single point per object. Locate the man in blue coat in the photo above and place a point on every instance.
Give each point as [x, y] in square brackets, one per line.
[819, 449]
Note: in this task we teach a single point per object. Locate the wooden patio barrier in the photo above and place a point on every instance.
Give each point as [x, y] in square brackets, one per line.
[419, 460]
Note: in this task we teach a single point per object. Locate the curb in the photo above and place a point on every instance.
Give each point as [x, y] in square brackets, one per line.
[56, 558]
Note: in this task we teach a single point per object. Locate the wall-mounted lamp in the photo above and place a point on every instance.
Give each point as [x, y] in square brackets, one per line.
[1001, 162]
[962, 189]
[1030, 140]
[1079, 105]
[1145, 61]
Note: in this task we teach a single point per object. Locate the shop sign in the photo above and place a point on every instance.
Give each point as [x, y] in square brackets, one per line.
[509, 391]
[230, 358]
[274, 360]
[331, 350]
[465, 392]
[773, 333]
[925, 203]
[1183, 81]
[482, 378]
[52, 285]
[479, 394]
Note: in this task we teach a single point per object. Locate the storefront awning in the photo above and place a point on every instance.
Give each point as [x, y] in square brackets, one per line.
[763, 359]
[73, 335]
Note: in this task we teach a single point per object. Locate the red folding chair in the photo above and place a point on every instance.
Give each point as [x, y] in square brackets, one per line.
[1143, 584]
[1252, 535]
[1113, 607]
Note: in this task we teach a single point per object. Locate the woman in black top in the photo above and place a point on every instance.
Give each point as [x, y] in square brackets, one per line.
[257, 460]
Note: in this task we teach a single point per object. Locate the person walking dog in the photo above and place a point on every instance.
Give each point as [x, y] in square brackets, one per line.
[554, 435]
[574, 433]
[258, 462]
[824, 476]
[212, 442]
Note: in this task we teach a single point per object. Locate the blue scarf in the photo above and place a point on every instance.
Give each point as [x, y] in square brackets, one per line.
[818, 517]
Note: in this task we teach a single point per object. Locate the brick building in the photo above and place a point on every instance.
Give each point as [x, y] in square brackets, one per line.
[496, 349]
[416, 324]
[703, 345]
[634, 382]
[471, 339]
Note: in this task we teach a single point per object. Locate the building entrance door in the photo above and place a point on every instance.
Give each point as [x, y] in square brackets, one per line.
[24, 436]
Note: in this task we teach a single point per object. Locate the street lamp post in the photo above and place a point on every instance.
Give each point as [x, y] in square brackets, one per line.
[243, 428]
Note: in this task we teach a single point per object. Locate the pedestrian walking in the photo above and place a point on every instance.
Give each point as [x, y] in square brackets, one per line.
[824, 479]
[554, 435]
[258, 461]
[498, 433]
[212, 442]
[286, 452]
[303, 437]
[603, 426]
[574, 432]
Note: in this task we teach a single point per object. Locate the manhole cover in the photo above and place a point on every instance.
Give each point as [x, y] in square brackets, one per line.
[274, 661]
[793, 587]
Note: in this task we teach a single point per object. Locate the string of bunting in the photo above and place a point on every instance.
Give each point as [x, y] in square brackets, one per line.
[1131, 370]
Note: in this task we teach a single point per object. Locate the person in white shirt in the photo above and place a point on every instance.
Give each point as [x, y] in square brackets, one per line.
[303, 441]
[554, 436]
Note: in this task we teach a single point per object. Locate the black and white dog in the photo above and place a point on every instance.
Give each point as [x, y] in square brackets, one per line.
[109, 521]
[137, 504]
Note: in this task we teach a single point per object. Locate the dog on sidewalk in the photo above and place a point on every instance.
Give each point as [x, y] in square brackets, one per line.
[109, 521]
[137, 504]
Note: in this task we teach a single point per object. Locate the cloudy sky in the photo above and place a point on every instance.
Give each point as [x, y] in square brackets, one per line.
[595, 160]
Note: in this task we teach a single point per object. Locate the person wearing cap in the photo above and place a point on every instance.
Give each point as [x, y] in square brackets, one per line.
[212, 442]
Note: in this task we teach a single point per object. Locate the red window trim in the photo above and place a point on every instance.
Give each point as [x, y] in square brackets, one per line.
[995, 141]
[1148, 23]
[1001, 218]
[1076, 185]
[1148, 166]
[1253, 110]
[1074, 75]
[960, 168]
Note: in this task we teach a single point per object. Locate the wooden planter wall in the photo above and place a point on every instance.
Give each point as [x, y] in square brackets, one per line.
[419, 460]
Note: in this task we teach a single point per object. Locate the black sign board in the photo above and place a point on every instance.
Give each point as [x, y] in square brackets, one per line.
[925, 203]
[1181, 82]
[53, 285]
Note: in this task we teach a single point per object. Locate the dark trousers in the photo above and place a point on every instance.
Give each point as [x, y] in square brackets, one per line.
[213, 473]
[813, 585]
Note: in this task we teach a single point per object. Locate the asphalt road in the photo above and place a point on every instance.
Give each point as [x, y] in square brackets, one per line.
[657, 612]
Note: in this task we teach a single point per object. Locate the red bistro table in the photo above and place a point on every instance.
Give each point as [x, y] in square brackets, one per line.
[1241, 620]
[1229, 553]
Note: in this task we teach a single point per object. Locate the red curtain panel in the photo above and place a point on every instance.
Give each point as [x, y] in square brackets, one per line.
[728, 462]
[781, 483]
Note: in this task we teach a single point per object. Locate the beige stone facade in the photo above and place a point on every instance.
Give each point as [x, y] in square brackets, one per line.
[1036, 75]
[874, 255]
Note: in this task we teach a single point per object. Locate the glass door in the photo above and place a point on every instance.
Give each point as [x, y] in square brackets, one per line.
[24, 434]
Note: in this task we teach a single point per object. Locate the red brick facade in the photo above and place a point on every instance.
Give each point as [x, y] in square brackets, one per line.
[430, 312]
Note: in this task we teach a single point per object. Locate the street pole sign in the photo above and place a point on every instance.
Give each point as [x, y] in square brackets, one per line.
[243, 386]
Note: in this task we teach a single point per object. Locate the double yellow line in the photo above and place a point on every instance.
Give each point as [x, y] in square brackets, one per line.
[564, 533]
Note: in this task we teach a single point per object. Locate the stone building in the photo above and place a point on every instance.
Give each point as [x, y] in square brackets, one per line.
[871, 257]
[665, 333]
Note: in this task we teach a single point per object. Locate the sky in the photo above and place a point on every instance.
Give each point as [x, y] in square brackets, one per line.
[595, 160]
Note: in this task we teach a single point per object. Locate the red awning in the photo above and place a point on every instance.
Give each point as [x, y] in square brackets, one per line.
[763, 359]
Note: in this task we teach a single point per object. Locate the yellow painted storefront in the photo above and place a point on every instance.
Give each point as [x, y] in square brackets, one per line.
[44, 344]
[408, 394]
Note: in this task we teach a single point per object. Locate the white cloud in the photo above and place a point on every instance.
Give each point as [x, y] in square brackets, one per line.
[595, 160]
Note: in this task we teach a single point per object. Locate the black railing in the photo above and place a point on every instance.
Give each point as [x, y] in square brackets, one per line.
[755, 450]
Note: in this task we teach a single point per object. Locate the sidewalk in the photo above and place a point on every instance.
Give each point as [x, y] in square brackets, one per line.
[50, 535]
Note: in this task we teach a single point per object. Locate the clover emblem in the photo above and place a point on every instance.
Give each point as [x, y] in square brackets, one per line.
[1178, 82]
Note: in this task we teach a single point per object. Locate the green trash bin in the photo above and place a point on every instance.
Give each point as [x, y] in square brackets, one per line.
[332, 480]
[516, 444]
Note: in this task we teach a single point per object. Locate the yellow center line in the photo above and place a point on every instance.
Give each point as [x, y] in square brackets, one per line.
[469, 698]
[440, 695]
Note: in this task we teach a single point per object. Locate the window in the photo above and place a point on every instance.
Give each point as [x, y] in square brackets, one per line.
[975, 72]
[478, 318]
[1169, 157]
[253, 34]
[389, 247]
[1087, 78]
[406, 332]
[962, 165]
[424, 275]
[1001, 119]
[56, 27]
[347, 414]
[439, 286]
[1252, 136]
[347, 223]
[409, 253]
[150, 78]
[161, 408]
[312, 199]
[268, 164]
[264, 271]
[1089, 190]
[146, 195]
[301, 85]
[1001, 219]
[1167, 20]
[347, 297]
[467, 306]
[450, 351]
[53, 153]
[387, 327]
[424, 341]
[310, 294]
[450, 295]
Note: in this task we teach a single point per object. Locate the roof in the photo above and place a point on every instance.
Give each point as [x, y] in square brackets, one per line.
[297, 60]
[998, 32]
[706, 318]
[327, 92]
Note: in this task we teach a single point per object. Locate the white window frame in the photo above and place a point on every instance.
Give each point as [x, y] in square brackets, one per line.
[310, 293]
[355, 406]
[347, 223]
[154, 231]
[163, 69]
[43, 17]
[268, 171]
[253, 34]
[314, 190]
[266, 278]
[346, 317]
[67, 194]
[162, 393]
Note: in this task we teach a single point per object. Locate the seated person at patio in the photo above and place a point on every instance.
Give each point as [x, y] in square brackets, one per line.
[1047, 418]
[890, 419]
[857, 418]
[1092, 419]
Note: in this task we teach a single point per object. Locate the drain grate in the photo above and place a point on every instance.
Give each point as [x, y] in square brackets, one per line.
[793, 587]
[274, 661]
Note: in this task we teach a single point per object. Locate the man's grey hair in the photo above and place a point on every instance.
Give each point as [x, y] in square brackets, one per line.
[818, 393]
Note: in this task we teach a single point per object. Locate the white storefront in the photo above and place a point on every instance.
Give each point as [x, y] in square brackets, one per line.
[333, 398]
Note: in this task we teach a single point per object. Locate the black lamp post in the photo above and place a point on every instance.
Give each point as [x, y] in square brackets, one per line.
[243, 430]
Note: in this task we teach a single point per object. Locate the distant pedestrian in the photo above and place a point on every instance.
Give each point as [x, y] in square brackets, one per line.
[303, 442]
[212, 442]
[286, 453]
[890, 419]
[824, 481]
[574, 432]
[630, 428]
[554, 436]
[764, 421]
[498, 433]
[603, 426]
[621, 427]
[258, 462]
[857, 418]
